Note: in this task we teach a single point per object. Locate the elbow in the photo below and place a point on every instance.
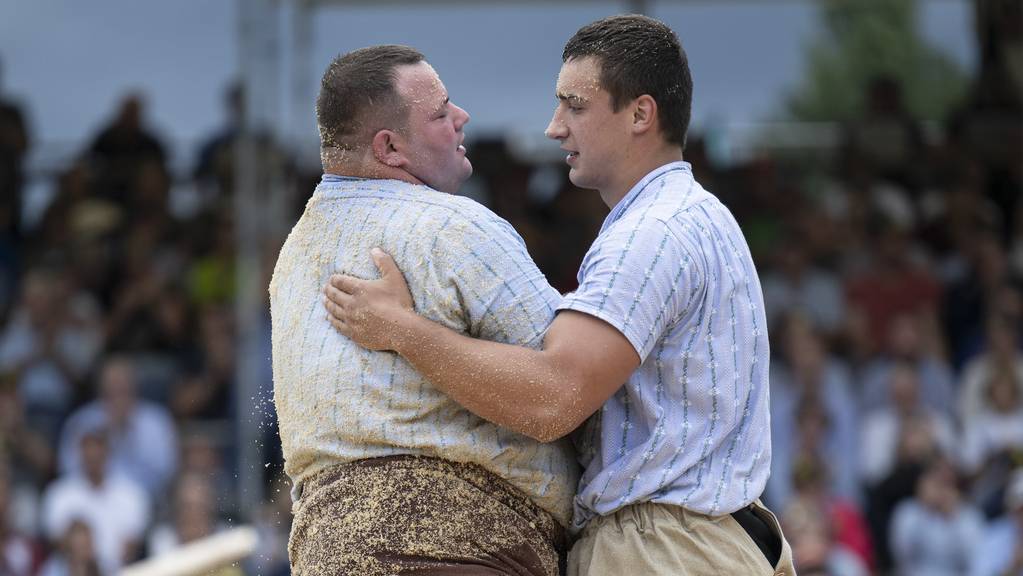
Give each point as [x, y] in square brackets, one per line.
[540, 424]
[555, 419]
[555, 404]
[546, 433]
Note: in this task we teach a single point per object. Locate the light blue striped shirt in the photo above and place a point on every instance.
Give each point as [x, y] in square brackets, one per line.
[468, 270]
[670, 269]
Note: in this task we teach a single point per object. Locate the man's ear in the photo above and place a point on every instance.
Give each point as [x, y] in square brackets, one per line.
[644, 114]
[387, 146]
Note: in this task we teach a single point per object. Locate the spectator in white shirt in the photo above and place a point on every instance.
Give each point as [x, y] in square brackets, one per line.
[997, 427]
[885, 427]
[143, 439]
[113, 506]
[50, 342]
[1001, 549]
[936, 533]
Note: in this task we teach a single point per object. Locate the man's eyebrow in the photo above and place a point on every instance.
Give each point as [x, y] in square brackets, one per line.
[442, 105]
[571, 98]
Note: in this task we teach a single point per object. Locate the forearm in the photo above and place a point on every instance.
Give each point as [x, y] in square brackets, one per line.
[543, 394]
[518, 388]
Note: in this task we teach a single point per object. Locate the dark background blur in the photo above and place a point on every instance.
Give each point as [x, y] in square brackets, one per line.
[871, 150]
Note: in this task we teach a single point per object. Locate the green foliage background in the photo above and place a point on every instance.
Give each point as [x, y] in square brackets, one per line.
[865, 38]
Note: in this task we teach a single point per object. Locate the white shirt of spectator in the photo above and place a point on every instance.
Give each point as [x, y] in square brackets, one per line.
[117, 512]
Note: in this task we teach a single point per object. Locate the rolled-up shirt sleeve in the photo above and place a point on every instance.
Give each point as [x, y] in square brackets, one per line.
[639, 278]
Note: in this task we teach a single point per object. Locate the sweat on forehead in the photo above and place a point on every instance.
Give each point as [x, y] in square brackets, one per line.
[579, 80]
[419, 82]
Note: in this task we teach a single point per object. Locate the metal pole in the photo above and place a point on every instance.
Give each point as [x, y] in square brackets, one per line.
[301, 56]
[256, 174]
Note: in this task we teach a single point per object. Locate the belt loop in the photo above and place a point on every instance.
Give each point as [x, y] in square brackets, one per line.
[687, 518]
[641, 512]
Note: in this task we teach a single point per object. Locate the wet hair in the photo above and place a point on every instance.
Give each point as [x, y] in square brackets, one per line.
[354, 86]
[639, 55]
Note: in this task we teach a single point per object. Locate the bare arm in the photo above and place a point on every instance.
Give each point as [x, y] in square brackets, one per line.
[543, 394]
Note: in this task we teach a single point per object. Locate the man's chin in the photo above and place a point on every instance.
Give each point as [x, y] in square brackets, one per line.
[581, 181]
[577, 178]
[464, 175]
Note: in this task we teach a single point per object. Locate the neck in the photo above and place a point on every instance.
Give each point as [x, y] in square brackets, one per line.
[639, 161]
[372, 171]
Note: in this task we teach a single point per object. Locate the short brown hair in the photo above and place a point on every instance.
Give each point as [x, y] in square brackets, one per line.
[639, 55]
[356, 82]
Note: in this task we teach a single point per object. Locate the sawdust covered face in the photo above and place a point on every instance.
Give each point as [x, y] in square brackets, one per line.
[589, 130]
[434, 136]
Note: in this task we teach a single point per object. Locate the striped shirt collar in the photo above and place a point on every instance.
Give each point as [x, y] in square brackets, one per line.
[334, 178]
[626, 202]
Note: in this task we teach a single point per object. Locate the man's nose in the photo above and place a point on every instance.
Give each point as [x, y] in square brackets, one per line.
[462, 117]
[556, 128]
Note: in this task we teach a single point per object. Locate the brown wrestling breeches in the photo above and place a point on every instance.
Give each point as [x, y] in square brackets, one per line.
[423, 516]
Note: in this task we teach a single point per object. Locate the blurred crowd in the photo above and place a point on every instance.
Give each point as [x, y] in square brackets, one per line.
[118, 425]
[891, 266]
